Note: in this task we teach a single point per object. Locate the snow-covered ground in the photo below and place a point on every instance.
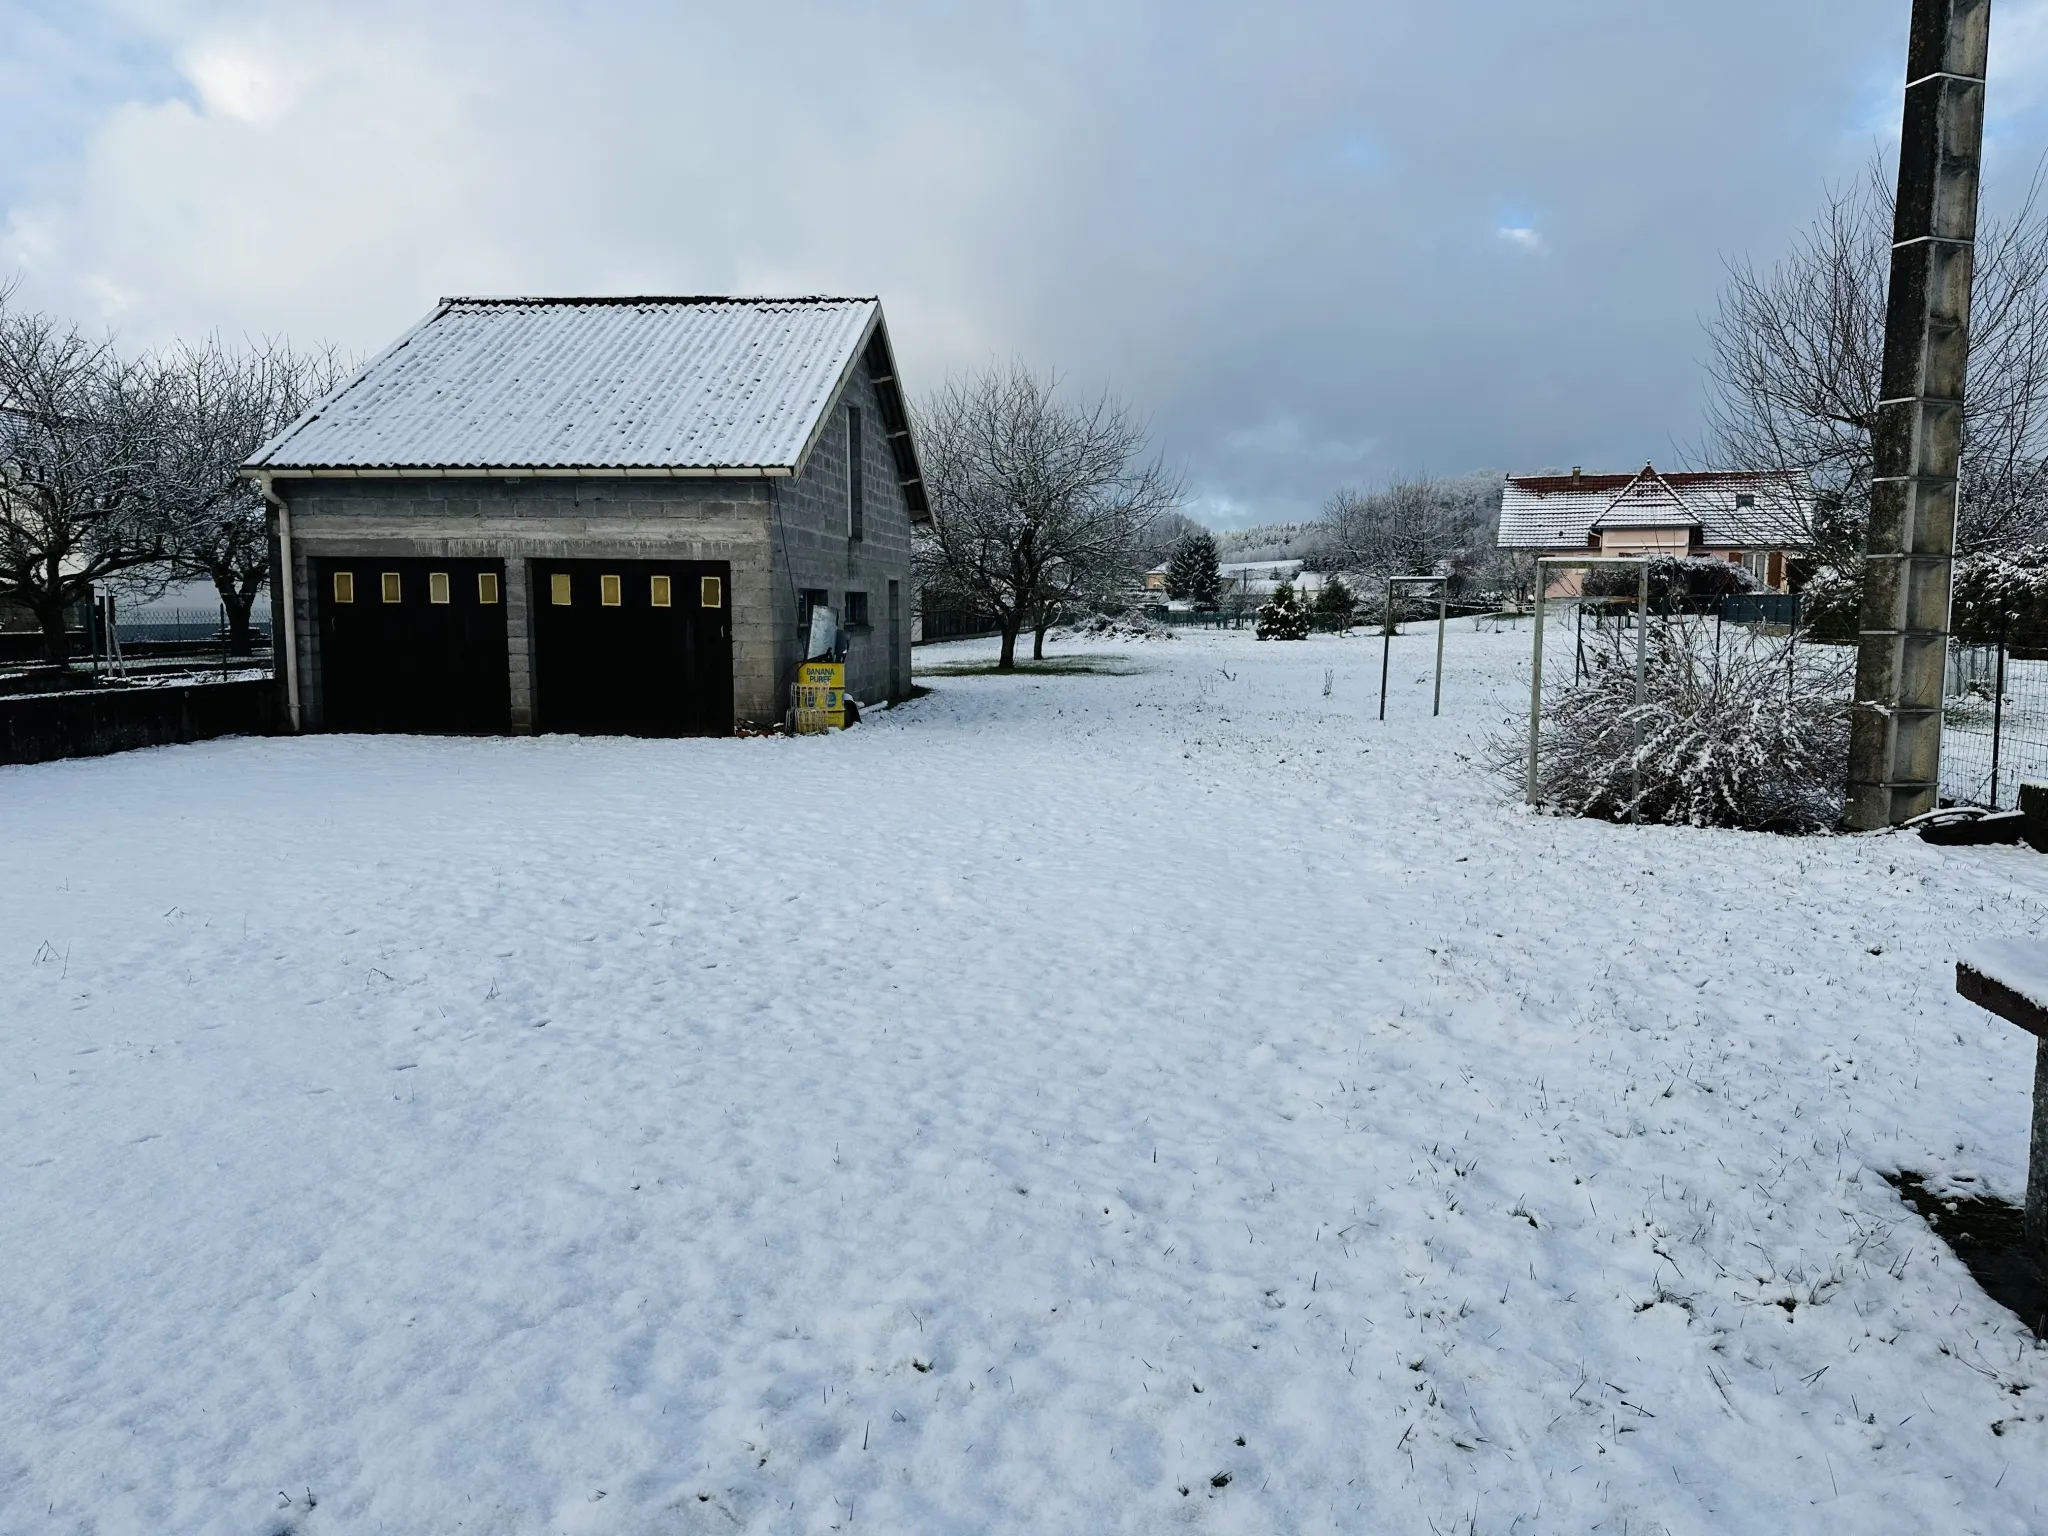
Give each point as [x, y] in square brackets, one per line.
[1088, 1103]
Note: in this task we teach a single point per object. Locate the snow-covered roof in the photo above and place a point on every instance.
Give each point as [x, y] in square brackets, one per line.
[701, 385]
[1737, 509]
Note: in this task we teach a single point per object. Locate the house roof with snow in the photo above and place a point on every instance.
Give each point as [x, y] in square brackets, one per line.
[1732, 509]
[622, 386]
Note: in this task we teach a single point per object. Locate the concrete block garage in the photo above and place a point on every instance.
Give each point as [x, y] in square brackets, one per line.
[596, 515]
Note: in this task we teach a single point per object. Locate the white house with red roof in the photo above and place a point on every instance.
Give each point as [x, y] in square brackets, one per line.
[1754, 517]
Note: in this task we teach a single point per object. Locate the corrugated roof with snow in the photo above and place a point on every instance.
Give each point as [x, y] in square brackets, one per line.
[699, 385]
[1731, 509]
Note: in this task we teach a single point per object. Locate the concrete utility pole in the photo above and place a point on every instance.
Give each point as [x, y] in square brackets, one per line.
[1895, 736]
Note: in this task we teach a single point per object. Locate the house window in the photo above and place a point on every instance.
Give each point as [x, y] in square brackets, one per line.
[658, 589]
[608, 591]
[1745, 499]
[856, 610]
[393, 589]
[487, 587]
[437, 586]
[558, 589]
[855, 465]
[344, 586]
[711, 592]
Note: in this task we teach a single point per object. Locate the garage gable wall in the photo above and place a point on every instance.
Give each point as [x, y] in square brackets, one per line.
[814, 550]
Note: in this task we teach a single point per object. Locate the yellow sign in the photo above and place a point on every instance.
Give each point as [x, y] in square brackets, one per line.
[820, 697]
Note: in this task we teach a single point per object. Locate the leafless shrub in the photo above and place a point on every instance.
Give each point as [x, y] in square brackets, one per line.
[1737, 730]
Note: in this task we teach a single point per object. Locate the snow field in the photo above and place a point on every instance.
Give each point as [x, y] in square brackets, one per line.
[984, 1120]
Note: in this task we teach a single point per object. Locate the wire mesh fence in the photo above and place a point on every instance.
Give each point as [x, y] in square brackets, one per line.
[1994, 726]
[184, 627]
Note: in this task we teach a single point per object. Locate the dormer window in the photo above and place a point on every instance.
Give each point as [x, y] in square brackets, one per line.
[1745, 499]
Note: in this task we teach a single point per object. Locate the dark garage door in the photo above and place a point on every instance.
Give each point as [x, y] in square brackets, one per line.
[633, 647]
[413, 645]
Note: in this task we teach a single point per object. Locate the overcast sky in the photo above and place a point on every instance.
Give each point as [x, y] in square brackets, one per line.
[1315, 243]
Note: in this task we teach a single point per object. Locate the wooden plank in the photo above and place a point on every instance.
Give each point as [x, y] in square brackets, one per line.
[1993, 995]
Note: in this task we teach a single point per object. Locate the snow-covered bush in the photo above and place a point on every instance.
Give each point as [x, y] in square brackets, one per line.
[1129, 624]
[1281, 617]
[1736, 731]
[1831, 603]
[2004, 591]
[1691, 579]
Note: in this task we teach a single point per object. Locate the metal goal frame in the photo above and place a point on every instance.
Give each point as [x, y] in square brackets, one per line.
[1443, 600]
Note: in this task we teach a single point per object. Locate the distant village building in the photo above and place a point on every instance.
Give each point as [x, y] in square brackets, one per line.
[596, 515]
[1243, 579]
[1757, 518]
[1262, 578]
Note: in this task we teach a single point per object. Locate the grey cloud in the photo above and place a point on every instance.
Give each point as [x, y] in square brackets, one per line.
[1313, 243]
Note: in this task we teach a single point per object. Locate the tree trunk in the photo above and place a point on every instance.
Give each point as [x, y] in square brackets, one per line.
[1007, 661]
[50, 614]
[237, 605]
[241, 638]
[1038, 643]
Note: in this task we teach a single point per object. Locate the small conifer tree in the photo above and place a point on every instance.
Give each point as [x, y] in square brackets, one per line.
[1193, 574]
[1333, 608]
[1281, 617]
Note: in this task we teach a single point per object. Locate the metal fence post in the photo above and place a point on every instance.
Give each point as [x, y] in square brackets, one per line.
[1998, 704]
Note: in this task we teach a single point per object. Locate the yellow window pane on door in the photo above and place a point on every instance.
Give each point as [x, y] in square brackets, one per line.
[437, 586]
[658, 591]
[487, 587]
[558, 589]
[711, 592]
[393, 589]
[608, 591]
[344, 586]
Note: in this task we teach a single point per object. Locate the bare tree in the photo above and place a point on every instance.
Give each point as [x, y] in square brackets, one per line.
[1798, 353]
[1419, 527]
[81, 441]
[1037, 504]
[223, 405]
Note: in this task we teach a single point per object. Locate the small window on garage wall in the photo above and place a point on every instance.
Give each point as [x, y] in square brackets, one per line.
[437, 586]
[856, 610]
[344, 586]
[608, 591]
[487, 587]
[658, 591]
[394, 589]
[711, 592]
[558, 589]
